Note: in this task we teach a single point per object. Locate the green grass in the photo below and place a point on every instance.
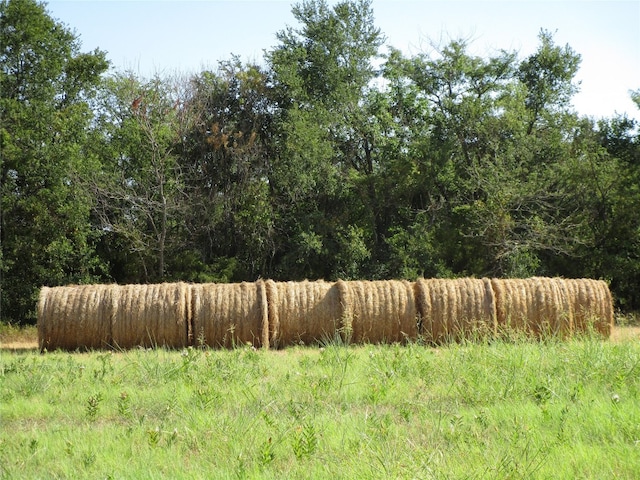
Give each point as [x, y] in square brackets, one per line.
[503, 410]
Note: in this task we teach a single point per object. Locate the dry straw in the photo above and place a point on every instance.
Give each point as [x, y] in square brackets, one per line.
[380, 311]
[228, 315]
[553, 312]
[453, 309]
[592, 306]
[150, 315]
[74, 317]
[553, 306]
[346, 315]
[268, 313]
[514, 305]
[303, 312]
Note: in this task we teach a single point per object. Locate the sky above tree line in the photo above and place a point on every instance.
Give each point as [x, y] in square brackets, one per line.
[165, 37]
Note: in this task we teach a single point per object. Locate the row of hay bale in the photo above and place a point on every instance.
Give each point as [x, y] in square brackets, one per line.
[277, 314]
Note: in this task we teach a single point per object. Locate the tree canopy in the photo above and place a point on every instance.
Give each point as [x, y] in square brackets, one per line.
[336, 157]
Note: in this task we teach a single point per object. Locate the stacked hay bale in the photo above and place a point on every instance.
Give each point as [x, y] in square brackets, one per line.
[451, 310]
[303, 312]
[230, 314]
[77, 316]
[379, 311]
[280, 314]
[150, 315]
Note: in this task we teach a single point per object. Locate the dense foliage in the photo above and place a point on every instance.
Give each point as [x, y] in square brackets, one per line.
[336, 157]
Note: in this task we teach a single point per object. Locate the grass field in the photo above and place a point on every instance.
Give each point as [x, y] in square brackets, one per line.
[515, 409]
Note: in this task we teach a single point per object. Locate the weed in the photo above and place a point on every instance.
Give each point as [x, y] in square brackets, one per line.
[153, 436]
[92, 406]
[305, 441]
[206, 396]
[105, 366]
[69, 448]
[124, 405]
[33, 446]
[266, 454]
[88, 458]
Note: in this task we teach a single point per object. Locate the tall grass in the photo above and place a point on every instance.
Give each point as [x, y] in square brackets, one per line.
[511, 409]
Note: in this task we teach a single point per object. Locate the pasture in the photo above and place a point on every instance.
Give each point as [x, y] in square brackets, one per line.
[509, 408]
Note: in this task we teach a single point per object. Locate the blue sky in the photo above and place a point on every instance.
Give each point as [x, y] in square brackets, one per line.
[169, 36]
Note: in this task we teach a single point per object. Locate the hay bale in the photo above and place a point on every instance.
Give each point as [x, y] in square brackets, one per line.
[514, 303]
[551, 312]
[150, 315]
[381, 311]
[229, 314]
[433, 305]
[537, 306]
[303, 312]
[44, 319]
[273, 311]
[453, 309]
[264, 313]
[564, 310]
[346, 316]
[74, 317]
[592, 306]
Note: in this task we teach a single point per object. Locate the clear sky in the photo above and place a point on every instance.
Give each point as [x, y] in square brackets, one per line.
[169, 36]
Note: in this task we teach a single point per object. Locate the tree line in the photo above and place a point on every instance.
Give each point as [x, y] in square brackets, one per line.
[336, 156]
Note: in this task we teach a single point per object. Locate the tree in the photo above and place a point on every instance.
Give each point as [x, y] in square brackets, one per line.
[140, 194]
[616, 223]
[548, 76]
[224, 157]
[46, 85]
[321, 73]
[488, 156]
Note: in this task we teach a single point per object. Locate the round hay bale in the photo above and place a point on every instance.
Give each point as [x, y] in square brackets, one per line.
[44, 326]
[271, 290]
[537, 306]
[228, 314]
[434, 304]
[453, 309]
[150, 315]
[605, 318]
[545, 310]
[346, 316]
[514, 305]
[564, 308]
[303, 312]
[592, 306]
[73, 317]
[263, 304]
[381, 311]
